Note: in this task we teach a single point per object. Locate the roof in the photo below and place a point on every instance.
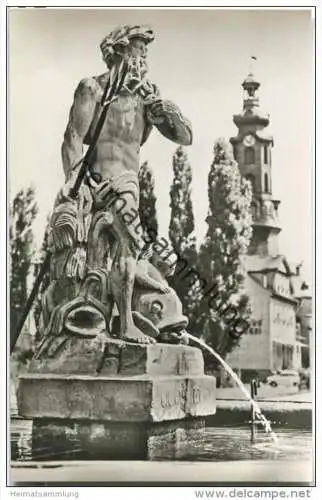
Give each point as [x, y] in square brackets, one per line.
[250, 80]
[256, 263]
[261, 135]
[299, 293]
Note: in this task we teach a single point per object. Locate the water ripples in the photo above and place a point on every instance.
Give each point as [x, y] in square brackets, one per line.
[209, 444]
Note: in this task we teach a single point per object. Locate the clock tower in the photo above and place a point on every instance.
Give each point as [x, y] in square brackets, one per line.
[252, 151]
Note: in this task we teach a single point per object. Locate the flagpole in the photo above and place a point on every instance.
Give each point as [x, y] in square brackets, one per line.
[252, 59]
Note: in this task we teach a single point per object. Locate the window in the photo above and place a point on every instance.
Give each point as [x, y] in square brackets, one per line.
[266, 183]
[266, 155]
[249, 156]
[254, 210]
[256, 327]
[251, 179]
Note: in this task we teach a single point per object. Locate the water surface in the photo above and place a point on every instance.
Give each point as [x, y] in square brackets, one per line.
[209, 444]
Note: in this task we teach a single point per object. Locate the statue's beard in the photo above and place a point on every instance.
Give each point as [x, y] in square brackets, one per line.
[137, 71]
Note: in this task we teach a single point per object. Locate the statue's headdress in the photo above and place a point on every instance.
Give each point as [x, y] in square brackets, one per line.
[122, 36]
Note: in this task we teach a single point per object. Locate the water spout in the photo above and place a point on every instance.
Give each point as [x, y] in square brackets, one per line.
[266, 424]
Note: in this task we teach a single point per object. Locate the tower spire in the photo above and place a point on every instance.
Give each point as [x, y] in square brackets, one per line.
[252, 151]
[251, 111]
[251, 99]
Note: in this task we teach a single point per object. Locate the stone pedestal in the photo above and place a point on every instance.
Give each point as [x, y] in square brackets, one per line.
[117, 382]
[114, 392]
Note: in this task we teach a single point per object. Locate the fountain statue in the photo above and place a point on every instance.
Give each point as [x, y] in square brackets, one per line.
[114, 344]
[95, 248]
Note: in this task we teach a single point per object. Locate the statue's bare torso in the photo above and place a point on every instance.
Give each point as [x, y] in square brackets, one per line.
[118, 146]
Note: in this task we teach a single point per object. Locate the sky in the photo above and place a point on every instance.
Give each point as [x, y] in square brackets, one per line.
[198, 60]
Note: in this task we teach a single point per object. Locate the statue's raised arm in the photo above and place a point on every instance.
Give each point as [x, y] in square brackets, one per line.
[168, 119]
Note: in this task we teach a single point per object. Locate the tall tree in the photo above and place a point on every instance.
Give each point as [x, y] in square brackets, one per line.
[181, 229]
[147, 206]
[22, 214]
[45, 281]
[225, 315]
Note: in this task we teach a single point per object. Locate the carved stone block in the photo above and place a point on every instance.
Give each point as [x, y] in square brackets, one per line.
[120, 399]
[200, 400]
[161, 359]
[168, 399]
[74, 355]
[114, 357]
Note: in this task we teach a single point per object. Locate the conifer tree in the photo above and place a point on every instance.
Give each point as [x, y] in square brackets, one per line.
[220, 258]
[45, 281]
[22, 214]
[147, 206]
[181, 230]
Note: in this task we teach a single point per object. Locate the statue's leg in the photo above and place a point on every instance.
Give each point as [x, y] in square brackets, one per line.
[98, 251]
[126, 251]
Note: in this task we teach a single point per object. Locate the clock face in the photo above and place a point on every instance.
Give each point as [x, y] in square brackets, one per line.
[249, 140]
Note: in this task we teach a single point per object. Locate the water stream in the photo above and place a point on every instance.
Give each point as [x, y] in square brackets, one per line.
[266, 424]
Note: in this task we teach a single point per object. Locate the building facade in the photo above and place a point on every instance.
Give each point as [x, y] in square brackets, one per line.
[303, 318]
[272, 342]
